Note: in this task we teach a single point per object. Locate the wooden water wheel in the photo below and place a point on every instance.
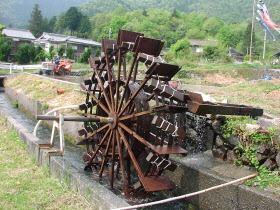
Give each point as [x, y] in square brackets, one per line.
[141, 122]
[137, 128]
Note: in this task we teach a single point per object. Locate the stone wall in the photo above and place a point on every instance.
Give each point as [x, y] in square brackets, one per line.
[205, 133]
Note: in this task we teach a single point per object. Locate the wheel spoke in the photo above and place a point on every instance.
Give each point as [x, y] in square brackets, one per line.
[101, 85]
[130, 152]
[120, 149]
[95, 99]
[118, 79]
[135, 135]
[137, 115]
[99, 146]
[92, 134]
[129, 77]
[104, 160]
[113, 160]
[109, 73]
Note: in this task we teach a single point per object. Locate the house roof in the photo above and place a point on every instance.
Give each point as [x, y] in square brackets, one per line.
[18, 33]
[51, 37]
[233, 52]
[203, 42]
[276, 55]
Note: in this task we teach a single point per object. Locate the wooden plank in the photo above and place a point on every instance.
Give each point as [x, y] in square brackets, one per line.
[148, 46]
[163, 69]
[168, 150]
[127, 36]
[156, 183]
[223, 109]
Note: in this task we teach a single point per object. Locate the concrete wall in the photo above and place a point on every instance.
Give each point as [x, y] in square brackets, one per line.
[202, 171]
[34, 108]
[63, 167]
[194, 173]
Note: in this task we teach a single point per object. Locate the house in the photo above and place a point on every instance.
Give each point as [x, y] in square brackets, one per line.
[239, 57]
[198, 45]
[79, 45]
[18, 37]
[275, 59]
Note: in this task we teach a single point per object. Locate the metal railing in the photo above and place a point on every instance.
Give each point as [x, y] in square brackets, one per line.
[11, 67]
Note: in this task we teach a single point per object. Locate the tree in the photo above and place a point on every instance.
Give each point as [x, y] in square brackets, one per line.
[23, 55]
[40, 54]
[36, 23]
[61, 51]
[5, 48]
[230, 35]
[180, 49]
[70, 52]
[72, 19]
[52, 23]
[212, 25]
[85, 26]
[51, 51]
[85, 56]
[60, 24]
[246, 41]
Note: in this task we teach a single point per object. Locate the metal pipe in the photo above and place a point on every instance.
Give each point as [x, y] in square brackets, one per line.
[52, 111]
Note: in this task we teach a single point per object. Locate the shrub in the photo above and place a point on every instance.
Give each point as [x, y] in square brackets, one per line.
[180, 49]
[5, 48]
[61, 51]
[70, 52]
[85, 56]
[23, 55]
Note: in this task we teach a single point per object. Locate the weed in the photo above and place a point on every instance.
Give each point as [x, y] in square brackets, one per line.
[15, 103]
[236, 125]
[247, 149]
[45, 106]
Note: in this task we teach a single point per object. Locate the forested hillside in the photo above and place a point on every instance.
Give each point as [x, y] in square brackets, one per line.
[17, 12]
[227, 10]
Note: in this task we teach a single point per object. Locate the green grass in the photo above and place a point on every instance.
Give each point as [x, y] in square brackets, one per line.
[26, 185]
[76, 66]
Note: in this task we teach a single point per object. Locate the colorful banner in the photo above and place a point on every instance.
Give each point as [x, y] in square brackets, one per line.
[266, 27]
[263, 12]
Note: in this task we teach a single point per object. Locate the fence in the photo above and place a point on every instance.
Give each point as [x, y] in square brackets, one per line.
[11, 67]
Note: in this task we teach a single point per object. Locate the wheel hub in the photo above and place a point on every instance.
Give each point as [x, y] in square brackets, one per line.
[115, 118]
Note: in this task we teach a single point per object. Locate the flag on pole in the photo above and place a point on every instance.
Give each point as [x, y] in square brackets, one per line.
[263, 12]
[266, 28]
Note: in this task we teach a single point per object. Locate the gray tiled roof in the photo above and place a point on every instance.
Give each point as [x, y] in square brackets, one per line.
[18, 33]
[63, 38]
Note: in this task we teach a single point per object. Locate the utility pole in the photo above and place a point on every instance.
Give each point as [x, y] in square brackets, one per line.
[251, 44]
[110, 31]
[264, 40]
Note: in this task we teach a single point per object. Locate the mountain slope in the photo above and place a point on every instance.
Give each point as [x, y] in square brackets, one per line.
[227, 10]
[17, 12]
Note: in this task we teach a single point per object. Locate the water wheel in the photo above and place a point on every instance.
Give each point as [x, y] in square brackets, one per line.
[136, 130]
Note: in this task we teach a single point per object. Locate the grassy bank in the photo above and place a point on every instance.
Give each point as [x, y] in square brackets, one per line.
[45, 91]
[25, 184]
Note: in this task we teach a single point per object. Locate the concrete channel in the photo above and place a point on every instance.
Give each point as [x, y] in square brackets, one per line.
[196, 172]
